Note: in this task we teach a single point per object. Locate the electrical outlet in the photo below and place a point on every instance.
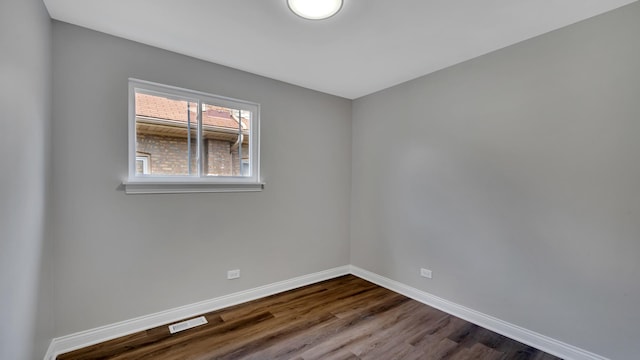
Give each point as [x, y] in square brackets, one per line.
[426, 273]
[233, 274]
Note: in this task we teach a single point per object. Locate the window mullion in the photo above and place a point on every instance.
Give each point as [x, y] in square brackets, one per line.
[240, 145]
[189, 138]
[200, 152]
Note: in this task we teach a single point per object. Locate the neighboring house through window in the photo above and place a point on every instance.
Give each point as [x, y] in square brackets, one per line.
[187, 141]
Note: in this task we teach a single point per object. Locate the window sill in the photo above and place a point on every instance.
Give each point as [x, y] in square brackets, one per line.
[141, 187]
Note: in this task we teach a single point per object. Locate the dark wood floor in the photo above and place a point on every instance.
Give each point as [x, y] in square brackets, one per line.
[343, 318]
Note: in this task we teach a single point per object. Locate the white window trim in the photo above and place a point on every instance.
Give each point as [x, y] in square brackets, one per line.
[141, 184]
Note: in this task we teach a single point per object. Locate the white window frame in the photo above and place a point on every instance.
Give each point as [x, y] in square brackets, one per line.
[145, 164]
[242, 163]
[149, 184]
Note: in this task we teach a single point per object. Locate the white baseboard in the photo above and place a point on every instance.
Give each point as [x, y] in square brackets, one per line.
[538, 341]
[82, 339]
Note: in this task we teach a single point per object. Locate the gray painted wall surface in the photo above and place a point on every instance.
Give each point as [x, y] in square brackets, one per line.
[120, 256]
[25, 104]
[515, 178]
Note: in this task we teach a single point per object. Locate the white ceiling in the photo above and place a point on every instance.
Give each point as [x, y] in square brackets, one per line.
[370, 45]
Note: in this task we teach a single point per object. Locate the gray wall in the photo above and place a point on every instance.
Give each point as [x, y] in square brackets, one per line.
[25, 104]
[515, 178]
[120, 256]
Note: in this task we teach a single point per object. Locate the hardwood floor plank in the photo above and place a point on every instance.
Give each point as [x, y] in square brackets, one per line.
[316, 335]
[356, 328]
[478, 352]
[278, 335]
[441, 349]
[345, 318]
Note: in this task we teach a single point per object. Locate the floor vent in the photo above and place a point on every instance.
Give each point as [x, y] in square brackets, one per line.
[182, 326]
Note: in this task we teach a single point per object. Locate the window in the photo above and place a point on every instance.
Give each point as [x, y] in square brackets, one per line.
[198, 142]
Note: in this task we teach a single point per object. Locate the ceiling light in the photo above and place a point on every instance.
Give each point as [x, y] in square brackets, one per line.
[315, 9]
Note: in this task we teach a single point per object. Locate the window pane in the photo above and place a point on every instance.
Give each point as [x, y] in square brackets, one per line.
[166, 135]
[226, 140]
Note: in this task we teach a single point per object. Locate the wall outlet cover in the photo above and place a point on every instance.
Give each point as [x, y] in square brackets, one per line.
[233, 274]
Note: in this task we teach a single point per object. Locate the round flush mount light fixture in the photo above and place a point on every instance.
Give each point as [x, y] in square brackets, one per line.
[315, 9]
